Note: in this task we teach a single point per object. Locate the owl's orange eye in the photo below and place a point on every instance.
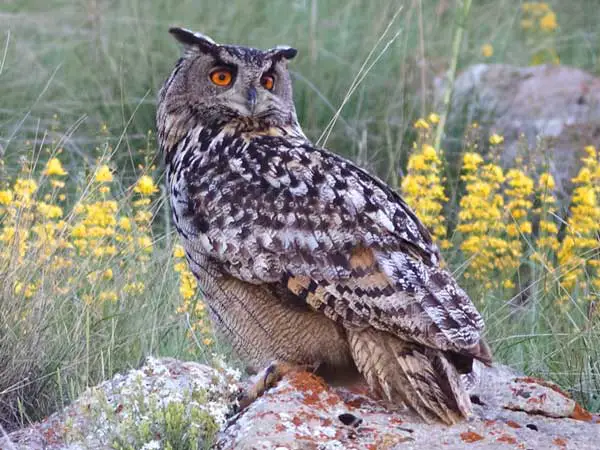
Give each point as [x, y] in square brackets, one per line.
[268, 82]
[221, 77]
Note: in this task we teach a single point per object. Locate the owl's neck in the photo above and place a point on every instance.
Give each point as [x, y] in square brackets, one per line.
[175, 128]
[207, 142]
[247, 129]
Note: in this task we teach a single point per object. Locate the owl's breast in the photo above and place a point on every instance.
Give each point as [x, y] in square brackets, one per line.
[212, 203]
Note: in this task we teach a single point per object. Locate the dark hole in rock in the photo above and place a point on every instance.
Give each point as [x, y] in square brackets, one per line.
[350, 419]
[532, 426]
[476, 400]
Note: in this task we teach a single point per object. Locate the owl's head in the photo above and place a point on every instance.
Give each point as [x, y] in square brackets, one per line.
[220, 84]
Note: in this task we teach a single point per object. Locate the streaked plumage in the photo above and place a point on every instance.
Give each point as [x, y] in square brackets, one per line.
[301, 255]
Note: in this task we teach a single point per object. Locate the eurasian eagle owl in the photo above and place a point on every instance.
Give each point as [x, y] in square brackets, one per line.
[303, 258]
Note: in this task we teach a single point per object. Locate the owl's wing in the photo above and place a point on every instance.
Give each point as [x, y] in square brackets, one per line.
[302, 220]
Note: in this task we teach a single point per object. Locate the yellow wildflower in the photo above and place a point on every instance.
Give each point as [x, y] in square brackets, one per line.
[188, 285]
[134, 288]
[421, 124]
[145, 201]
[145, 186]
[6, 197]
[49, 211]
[145, 243]
[471, 161]
[508, 284]
[590, 150]
[577, 256]
[103, 174]
[480, 221]
[433, 118]
[25, 188]
[548, 22]
[487, 50]
[125, 224]
[178, 251]
[423, 190]
[108, 296]
[496, 139]
[54, 167]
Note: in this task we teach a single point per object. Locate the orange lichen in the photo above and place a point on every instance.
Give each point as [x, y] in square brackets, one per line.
[396, 421]
[581, 414]
[536, 400]
[489, 423]
[470, 436]
[548, 384]
[513, 424]
[507, 438]
[332, 400]
[560, 442]
[307, 381]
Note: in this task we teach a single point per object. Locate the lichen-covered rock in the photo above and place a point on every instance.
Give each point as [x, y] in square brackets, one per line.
[558, 103]
[510, 413]
[165, 402]
[174, 404]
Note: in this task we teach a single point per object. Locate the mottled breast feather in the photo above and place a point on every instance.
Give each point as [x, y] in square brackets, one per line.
[275, 210]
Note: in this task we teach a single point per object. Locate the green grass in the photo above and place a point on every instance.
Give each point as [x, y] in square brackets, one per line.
[67, 67]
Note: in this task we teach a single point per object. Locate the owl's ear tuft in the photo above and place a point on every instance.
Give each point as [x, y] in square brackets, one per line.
[194, 43]
[282, 51]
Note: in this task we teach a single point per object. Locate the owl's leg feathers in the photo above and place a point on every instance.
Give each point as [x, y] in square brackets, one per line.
[419, 376]
[268, 378]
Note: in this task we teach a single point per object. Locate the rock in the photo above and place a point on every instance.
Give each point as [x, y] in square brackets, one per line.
[558, 103]
[139, 409]
[510, 412]
[301, 412]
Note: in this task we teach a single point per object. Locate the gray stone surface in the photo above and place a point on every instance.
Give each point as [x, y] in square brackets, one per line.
[516, 413]
[558, 103]
[303, 413]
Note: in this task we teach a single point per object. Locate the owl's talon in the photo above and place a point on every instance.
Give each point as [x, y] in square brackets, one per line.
[266, 379]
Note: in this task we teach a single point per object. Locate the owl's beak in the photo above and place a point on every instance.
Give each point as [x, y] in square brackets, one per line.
[251, 99]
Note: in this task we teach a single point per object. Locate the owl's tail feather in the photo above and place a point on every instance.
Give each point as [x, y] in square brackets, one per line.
[419, 376]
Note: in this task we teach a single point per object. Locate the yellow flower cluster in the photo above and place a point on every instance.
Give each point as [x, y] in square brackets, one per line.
[93, 233]
[578, 255]
[18, 212]
[423, 186]
[481, 222]
[423, 190]
[547, 241]
[134, 234]
[539, 24]
[487, 50]
[191, 306]
[538, 14]
[37, 237]
[519, 192]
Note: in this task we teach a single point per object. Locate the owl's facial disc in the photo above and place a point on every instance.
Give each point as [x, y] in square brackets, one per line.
[230, 82]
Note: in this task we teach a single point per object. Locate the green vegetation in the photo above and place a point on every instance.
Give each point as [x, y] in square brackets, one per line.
[78, 82]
